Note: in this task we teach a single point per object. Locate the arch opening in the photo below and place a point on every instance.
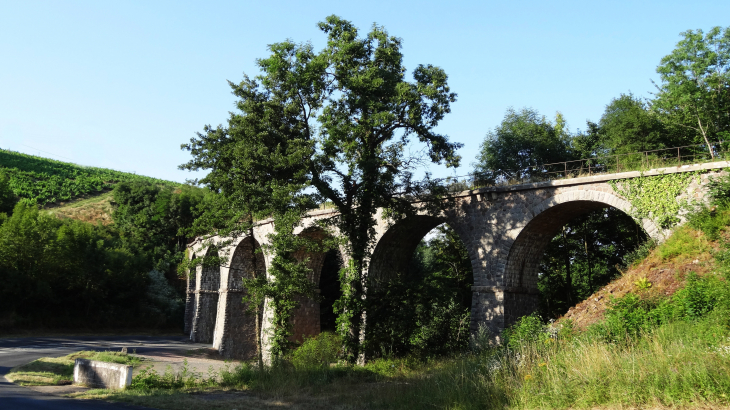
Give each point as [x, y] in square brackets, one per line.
[242, 322]
[324, 273]
[563, 255]
[330, 290]
[419, 294]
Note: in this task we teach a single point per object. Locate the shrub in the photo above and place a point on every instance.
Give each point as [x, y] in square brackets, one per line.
[527, 329]
[698, 297]
[684, 243]
[711, 221]
[640, 253]
[318, 351]
[627, 317]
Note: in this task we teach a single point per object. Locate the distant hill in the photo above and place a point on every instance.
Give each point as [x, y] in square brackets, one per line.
[53, 182]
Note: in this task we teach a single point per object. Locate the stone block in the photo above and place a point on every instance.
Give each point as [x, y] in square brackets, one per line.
[101, 374]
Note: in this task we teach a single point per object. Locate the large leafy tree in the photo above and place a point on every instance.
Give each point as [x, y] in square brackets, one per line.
[348, 114]
[365, 125]
[627, 126]
[259, 168]
[694, 93]
[523, 141]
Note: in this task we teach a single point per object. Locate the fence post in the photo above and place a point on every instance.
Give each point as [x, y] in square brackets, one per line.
[679, 158]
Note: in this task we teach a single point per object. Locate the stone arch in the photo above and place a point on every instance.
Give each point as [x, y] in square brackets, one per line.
[306, 317]
[206, 308]
[394, 252]
[520, 296]
[236, 324]
[394, 249]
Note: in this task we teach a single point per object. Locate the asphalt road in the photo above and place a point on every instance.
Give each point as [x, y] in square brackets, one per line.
[14, 352]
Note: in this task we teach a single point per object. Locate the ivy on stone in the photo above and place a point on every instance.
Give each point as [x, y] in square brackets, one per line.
[655, 197]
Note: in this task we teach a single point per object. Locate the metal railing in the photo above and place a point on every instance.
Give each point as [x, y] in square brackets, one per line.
[610, 164]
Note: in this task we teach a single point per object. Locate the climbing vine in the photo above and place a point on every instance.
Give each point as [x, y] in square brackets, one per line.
[655, 197]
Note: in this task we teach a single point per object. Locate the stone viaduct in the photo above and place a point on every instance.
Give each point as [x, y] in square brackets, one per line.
[505, 230]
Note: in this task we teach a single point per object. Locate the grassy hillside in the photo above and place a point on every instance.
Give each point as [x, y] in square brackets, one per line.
[49, 181]
[97, 208]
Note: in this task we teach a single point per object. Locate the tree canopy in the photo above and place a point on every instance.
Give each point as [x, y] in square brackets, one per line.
[694, 93]
[628, 125]
[522, 141]
[339, 122]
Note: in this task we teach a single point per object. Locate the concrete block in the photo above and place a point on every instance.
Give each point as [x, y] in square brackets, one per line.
[101, 374]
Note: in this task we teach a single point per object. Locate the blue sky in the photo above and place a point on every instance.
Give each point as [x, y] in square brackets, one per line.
[122, 84]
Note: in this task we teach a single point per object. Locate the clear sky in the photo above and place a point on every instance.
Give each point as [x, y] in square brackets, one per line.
[121, 84]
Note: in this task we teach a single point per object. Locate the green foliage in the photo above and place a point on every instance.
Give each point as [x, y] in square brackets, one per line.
[629, 126]
[700, 296]
[693, 94]
[424, 312]
[318, 351]
[149, 379]
[586, 255]
[631, 316]
[627, 317]
[528, 329]
[640, 253]
[338, 120]
[7, 196]
[523, 140]
[719, 189]
[655, 197]
[69, 273]
[155, 220]
[683, 243]
[46, 181]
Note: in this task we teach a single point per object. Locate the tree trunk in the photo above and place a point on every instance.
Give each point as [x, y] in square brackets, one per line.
[257, 321]
[588, 257]
[704, 135]
[568, 278]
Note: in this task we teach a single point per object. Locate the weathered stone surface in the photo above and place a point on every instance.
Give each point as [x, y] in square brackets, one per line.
[101, 374]
[505, 231]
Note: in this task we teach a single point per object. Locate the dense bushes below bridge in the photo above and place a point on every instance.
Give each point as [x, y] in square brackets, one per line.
[73, 274]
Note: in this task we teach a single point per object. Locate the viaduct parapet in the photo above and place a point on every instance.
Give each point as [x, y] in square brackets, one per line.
[504, 229]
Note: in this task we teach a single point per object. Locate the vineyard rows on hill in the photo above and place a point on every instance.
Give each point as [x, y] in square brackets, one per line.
[48, 181]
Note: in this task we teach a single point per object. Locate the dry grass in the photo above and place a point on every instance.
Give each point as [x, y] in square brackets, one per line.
[95, 209]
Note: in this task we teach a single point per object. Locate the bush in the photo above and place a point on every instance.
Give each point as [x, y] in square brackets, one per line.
[318, 351]
[711, 221]
[699, 296]
[528, 329]
[640, 253]
[627, 317]
[684, 243]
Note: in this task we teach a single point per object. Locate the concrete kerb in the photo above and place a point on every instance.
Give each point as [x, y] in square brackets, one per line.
[92, 373]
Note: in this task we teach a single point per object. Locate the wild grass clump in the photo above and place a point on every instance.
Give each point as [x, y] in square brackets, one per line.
[319, 351]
